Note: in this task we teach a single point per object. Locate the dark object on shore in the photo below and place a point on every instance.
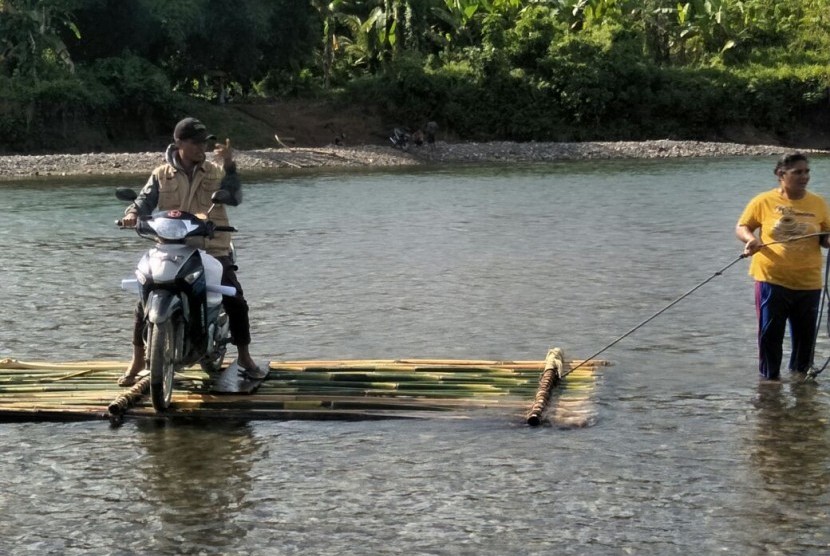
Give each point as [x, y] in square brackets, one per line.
[418, 138]
[400, 138]
[431, 130]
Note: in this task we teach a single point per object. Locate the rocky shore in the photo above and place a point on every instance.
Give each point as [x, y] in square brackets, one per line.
[272, 160]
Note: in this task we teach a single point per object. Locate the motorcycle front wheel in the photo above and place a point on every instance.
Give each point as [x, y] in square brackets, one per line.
[162, 364]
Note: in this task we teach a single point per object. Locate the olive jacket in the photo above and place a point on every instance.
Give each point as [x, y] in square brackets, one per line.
[170, 188]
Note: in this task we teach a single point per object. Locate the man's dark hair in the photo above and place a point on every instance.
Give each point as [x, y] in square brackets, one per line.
[788, 160]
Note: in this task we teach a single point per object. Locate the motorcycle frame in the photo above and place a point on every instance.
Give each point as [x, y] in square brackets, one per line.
[160, 301]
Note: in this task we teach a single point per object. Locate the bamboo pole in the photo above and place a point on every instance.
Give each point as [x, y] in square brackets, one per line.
[550, 377]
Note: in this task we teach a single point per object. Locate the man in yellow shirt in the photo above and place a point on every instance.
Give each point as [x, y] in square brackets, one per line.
[786, 264]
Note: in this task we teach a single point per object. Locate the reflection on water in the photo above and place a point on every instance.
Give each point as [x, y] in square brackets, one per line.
[791, 443]
[789, 449]
[196, 478]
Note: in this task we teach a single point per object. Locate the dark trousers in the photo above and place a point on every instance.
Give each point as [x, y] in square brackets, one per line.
[775, 306]
[236, 308]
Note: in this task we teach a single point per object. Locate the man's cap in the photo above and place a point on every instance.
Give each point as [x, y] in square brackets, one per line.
[191, 129]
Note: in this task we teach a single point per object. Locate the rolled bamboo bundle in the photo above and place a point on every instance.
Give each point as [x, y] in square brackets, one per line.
[119, 406]
[554, 364]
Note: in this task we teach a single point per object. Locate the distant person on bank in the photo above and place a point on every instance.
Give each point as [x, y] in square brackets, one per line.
[186, 182]
[786, 264]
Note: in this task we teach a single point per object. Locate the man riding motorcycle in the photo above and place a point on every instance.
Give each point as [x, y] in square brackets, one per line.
[186, 182]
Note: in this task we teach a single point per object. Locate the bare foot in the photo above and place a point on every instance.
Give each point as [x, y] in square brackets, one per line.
[130, 376]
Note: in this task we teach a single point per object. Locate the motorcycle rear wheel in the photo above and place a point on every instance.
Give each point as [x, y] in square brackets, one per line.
[212, 362]
[162, 364]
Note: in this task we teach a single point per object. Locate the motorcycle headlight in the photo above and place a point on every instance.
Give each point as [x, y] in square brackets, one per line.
[192, 277]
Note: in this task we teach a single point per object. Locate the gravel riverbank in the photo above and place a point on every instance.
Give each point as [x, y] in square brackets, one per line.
[272, 160]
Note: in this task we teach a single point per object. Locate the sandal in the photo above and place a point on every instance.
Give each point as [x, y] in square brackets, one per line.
[127, 379]
[252, 374]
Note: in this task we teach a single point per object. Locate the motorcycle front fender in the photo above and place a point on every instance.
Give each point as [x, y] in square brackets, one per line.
[160, 306]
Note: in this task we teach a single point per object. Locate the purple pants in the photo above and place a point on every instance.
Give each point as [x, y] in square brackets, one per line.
[775, 306]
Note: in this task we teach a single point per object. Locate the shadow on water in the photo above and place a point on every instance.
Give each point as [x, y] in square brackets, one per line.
[197, 477]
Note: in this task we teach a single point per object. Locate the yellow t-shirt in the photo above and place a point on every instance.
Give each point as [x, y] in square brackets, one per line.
[795, 264]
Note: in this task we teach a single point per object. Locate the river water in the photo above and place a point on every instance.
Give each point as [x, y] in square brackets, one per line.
[689, 452]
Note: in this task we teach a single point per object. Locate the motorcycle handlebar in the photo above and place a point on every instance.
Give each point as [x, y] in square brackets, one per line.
[120, 223]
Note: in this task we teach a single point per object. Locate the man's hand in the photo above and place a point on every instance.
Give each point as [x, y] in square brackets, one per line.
[751, 242]
[752, 246]
[224, 153]
[129, 220]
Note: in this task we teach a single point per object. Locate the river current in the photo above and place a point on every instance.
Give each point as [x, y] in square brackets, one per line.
[688, 453]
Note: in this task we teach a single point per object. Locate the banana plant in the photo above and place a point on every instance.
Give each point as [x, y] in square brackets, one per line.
[329, 12]
[707, 27]
[581, 14]
[457, 16]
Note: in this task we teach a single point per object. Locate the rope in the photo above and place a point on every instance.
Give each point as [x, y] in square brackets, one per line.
[817, 234]
[814, 372]
[657, 314]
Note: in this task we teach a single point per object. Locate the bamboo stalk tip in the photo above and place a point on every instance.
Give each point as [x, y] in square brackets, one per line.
[555, 360]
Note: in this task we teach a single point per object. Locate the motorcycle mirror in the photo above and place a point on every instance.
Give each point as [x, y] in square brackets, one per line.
[125, 194]
[221, 197]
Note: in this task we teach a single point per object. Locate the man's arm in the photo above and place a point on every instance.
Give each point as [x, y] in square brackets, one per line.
[824, 240]
[148, 198]
[232, 184]
[230, 181]
[751, 242]
[144, 204]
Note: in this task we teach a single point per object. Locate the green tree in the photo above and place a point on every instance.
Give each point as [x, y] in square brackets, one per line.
[30, 40]
[455, 23]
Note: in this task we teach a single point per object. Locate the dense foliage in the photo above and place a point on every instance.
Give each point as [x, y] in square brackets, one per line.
[512, 69]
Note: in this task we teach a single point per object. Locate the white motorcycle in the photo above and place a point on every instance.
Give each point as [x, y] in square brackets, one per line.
[180, 292]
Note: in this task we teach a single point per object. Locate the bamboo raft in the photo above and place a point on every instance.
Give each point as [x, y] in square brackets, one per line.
[311, 390]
